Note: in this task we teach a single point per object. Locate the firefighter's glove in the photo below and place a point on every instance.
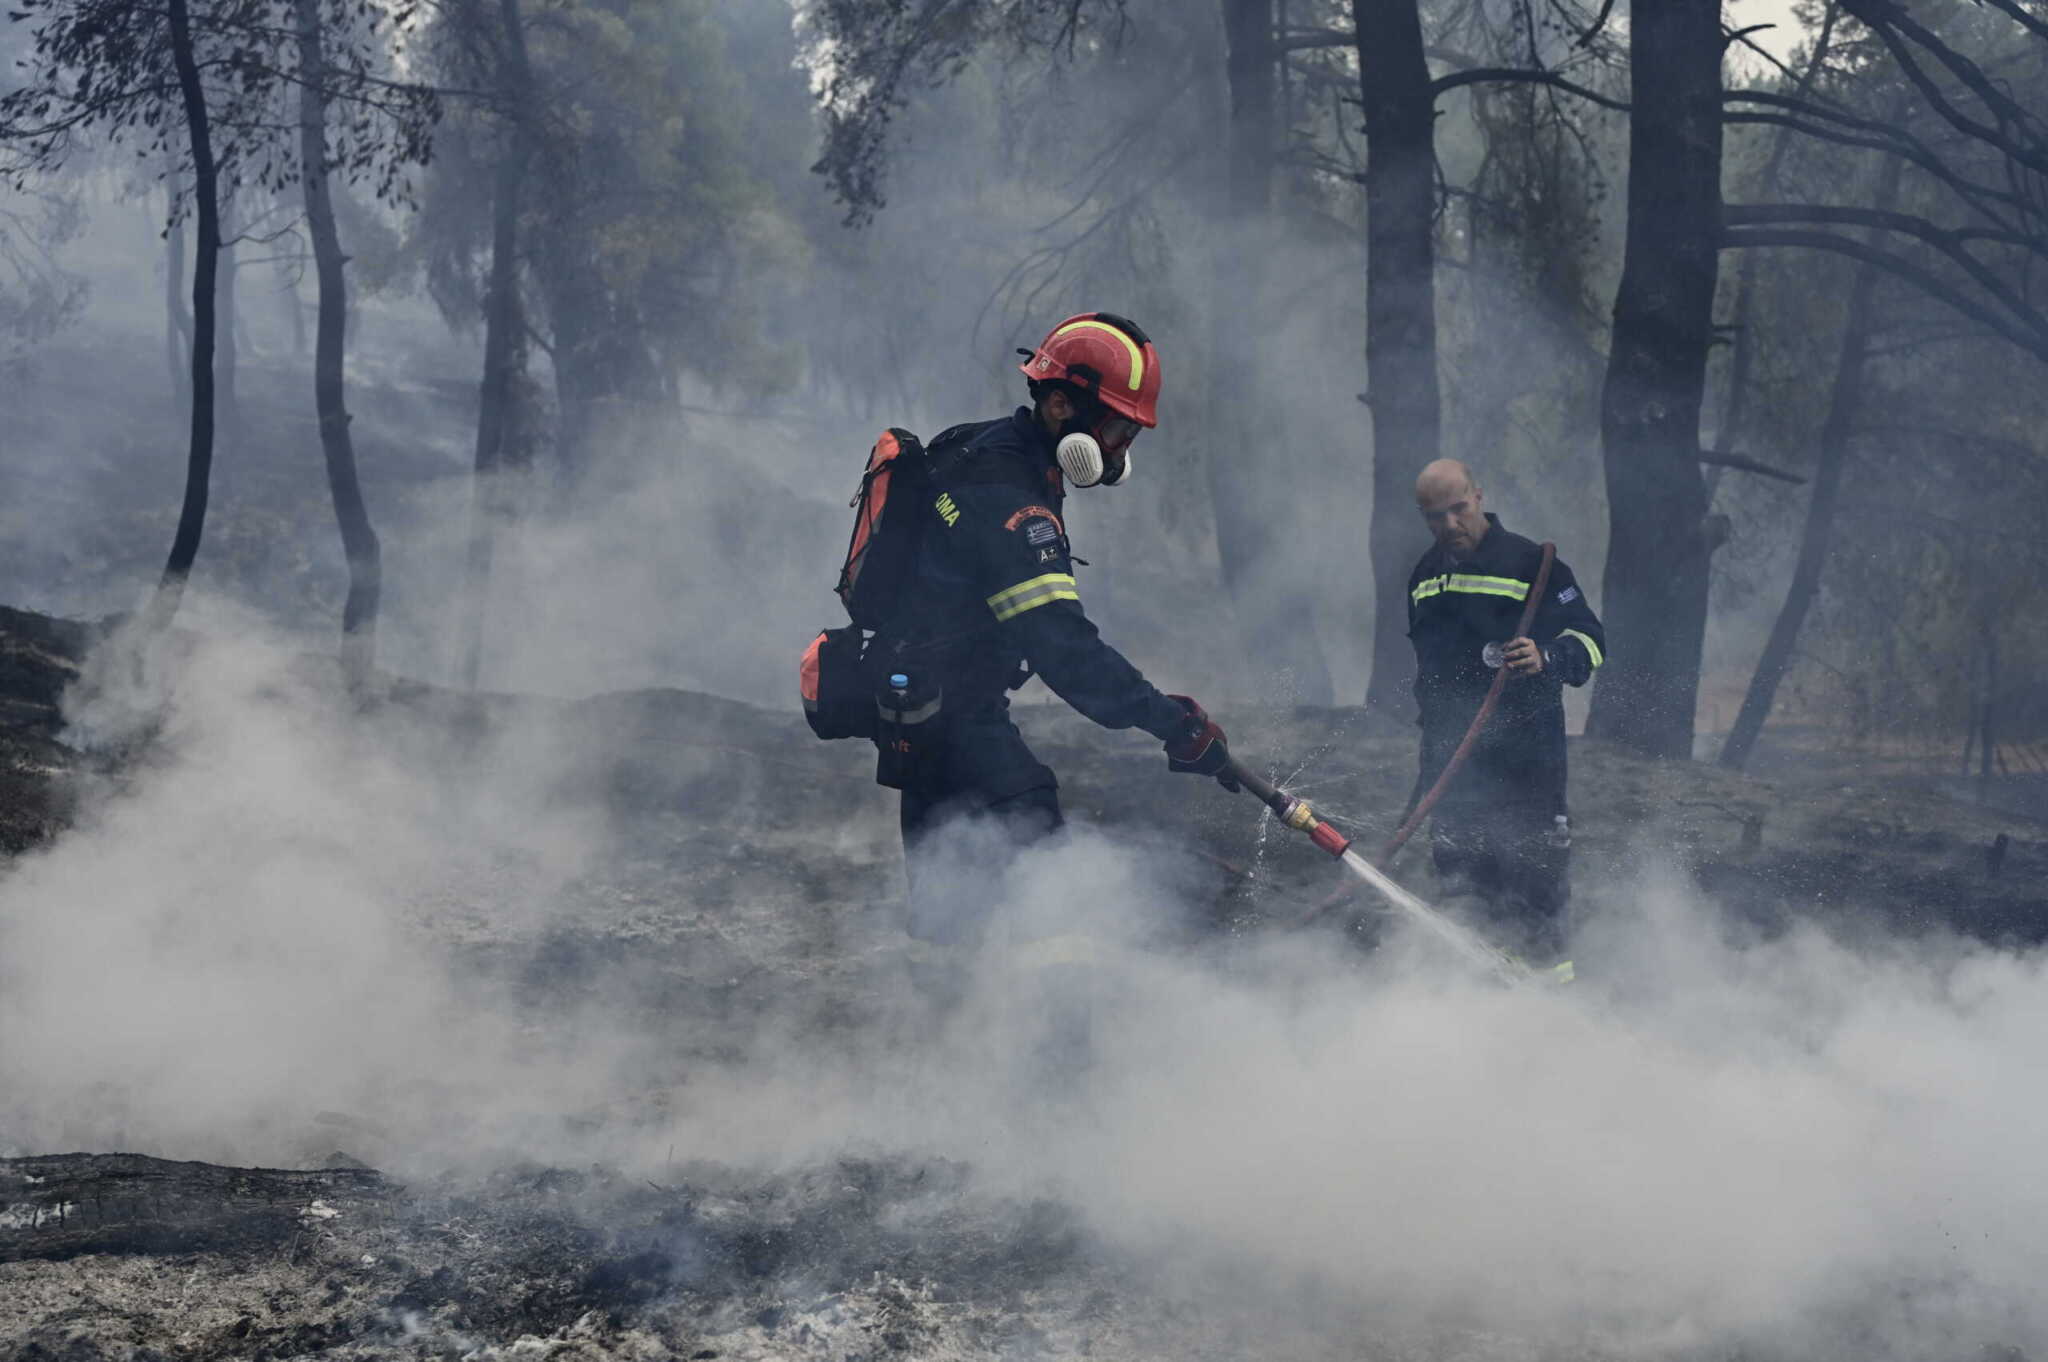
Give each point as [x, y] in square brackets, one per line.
[1201, 749]
[1524, 658]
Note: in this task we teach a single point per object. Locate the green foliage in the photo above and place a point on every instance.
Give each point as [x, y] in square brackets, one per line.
[645, 227]
[870, 56]
[104, 67]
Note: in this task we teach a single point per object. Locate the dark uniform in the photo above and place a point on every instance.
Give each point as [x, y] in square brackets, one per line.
[1501, 829]
[992, 601]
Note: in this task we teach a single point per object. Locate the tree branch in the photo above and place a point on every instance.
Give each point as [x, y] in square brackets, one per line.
[1599, 22]
[2034, 341]
[1884, 220]
[1889, 22]
[1882, 137]
[1507, 74]
[1942, 240]
[2038, 27]
[1317, 37]
[1744, 463]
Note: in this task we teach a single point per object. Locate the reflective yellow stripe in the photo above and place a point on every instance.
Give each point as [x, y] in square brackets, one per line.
[1137, 355]
[1592, 648]
[1488, 586]
[1013, 601]
[1471, 584]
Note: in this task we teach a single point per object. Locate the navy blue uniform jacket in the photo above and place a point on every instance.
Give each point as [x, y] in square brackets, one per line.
[1455, 608]
[993, 588]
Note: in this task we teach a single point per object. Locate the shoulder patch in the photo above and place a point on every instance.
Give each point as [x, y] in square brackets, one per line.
[1034, 512]
[1568, 595]
[948, 512]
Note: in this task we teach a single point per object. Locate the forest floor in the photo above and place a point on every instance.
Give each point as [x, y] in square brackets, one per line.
[750, 878]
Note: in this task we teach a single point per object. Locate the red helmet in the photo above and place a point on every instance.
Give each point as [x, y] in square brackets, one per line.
[1105, 355]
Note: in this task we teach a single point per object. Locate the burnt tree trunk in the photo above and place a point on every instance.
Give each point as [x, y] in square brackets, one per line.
[1400, 326]
[1845, 406]
[504, 340]
[1655, 586]
[358, 539]
[205, 269]
[1253, 501]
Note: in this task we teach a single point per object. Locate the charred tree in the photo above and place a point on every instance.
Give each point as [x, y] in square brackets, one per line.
[1400, 300]
[1276, 624]
[358, 539]
[1659, 539]
[171, 74]
[205, 269]
[504, 339]
[1845, 406]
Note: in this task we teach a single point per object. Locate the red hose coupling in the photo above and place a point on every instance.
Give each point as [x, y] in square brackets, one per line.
[1329, 839]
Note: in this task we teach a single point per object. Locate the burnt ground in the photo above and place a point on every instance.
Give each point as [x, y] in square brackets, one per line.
[125, 1256]
[749, 868]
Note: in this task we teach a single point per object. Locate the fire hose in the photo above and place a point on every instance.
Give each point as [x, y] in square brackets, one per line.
[1298, 814]
[1471, 738]
[1423, 806]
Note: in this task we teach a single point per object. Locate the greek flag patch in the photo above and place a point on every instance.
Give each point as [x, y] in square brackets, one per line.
[1568, 595]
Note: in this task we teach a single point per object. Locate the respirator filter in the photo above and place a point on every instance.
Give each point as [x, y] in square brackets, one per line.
[1080, 457]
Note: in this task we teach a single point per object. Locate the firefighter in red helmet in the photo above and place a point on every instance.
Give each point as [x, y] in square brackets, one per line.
[1112, 370]
[991, 600]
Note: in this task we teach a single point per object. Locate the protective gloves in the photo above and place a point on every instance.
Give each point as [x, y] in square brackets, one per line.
[1201, 749]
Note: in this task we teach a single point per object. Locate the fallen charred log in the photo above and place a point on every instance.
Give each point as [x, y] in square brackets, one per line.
[60, 1206]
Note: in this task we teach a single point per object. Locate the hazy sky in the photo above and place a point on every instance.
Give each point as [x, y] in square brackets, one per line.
[1780, 40]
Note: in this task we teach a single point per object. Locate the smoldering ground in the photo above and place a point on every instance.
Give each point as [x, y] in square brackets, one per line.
[297, 926]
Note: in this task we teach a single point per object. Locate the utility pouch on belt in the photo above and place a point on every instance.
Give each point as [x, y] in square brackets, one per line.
[906, 737]
[838, 701]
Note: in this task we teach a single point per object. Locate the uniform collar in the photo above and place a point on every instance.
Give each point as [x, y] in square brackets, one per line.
[1486, 545]
[1036, 436]
[1044, 451]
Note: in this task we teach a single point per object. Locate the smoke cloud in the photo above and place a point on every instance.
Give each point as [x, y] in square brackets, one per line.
[299, 926]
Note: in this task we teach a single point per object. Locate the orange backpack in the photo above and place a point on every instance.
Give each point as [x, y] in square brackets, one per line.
[885, 526]
[838, 696]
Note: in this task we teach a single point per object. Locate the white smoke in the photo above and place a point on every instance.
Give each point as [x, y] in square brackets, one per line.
[1707, 1143]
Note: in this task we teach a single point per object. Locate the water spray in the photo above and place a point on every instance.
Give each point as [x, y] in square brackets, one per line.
[1421, 804]
[1299, 814]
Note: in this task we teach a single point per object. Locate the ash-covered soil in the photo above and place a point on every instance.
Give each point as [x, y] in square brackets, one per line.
[125, 1256]
[749, 880]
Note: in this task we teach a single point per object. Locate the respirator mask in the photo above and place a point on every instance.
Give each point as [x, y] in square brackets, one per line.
[1100, 457]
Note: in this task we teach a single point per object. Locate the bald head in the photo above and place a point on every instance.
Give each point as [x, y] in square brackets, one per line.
[1443, 478]
[1452, 506]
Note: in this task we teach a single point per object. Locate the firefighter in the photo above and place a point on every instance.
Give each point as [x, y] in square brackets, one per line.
[1501, 830]
[992, 600]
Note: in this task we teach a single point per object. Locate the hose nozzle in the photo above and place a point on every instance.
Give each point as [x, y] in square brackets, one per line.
[1300, 815]
[1329, 839]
